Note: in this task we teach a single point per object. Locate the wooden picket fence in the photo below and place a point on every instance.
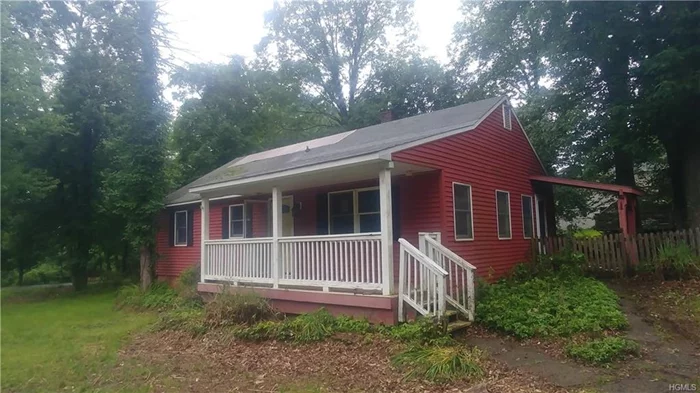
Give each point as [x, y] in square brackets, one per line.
[616, 253]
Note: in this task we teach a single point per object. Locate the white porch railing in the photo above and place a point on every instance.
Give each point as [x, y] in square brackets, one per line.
[239, 260]
[350, 261]
[422, 282]
[460, 284]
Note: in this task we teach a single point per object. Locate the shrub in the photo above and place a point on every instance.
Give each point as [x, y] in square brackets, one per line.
[227, 309]
[587, 234]
[189, 320]
[441, 363]
[603, 351]
[554, 305]
[423, 331]
[158, 297]
[186, 286]
[566, 263]
[45, 273]
[677, 261]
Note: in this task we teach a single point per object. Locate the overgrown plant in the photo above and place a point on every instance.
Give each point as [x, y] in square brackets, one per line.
[228, 309]
[186, 286]
[158, 297]
[550, 306]
[441, 363]
[603, 351]
[677, 261]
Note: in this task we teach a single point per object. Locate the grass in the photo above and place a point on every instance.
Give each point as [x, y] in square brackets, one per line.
[441, 363]
[64, 342]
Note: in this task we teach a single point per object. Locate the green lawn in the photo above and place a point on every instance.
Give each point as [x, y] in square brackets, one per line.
[68, 342]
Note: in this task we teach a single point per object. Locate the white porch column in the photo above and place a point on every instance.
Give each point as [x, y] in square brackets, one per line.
[205, 236]
[276, 234]
[386, 228]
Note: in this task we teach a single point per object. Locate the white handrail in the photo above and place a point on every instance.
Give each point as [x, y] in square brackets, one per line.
[422, 282]
[450, 254]
[348, 236]
[460, 286]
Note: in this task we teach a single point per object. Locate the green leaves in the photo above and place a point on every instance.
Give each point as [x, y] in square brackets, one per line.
[550, 306]
[603, 351]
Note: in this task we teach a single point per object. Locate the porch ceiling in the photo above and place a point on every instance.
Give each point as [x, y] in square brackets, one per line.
[311, 179]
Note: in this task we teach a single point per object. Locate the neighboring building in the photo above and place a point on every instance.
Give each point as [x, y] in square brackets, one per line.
[317, 223]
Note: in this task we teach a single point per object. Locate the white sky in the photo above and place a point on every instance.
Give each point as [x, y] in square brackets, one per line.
[213, 30]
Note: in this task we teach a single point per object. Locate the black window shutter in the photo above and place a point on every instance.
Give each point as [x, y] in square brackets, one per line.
[171, 228]
[190, 227]
[224, 222]
[395, 212]
[322, 214]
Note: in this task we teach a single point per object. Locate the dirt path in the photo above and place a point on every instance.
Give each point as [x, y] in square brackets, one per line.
[666, 359]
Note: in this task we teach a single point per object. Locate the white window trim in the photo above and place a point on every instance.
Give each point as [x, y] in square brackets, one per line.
[230, 220]
[508, 125]
[510, 218]
[454, 212]
[356, 210]
[532, 214]
[187, 229]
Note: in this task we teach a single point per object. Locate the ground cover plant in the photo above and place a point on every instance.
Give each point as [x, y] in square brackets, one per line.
[554, 305]
[603, 350]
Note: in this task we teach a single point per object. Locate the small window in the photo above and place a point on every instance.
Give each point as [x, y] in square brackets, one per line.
[503, 214]
[368, 210]
[181, 228]
[462, 201]
[528, 227]
[507, 120]
[236, 214]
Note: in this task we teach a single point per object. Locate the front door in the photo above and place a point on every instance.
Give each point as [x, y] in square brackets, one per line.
[287, 230]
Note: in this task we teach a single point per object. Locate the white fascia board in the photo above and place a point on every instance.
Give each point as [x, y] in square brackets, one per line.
[293, 172]
[199, 200]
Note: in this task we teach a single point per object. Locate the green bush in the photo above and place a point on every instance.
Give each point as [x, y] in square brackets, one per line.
[441, 363]
[422, 331]
[550, 306]
[183, 319]
[228, 309]
[45, 273]
[603, 351]
[158, 297]
[677, 261]
[566, 263]
[587, 234]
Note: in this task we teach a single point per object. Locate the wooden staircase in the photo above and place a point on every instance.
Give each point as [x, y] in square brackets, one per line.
[436, 282]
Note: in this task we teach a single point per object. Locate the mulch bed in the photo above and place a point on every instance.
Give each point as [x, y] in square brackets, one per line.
[348, 362]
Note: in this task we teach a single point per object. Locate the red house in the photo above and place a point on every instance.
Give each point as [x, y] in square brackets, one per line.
[374, 222]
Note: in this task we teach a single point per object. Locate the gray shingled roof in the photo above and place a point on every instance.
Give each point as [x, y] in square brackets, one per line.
[372, 139]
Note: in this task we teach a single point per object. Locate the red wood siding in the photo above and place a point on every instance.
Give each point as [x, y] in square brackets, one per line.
[487, 158]
[172, 260]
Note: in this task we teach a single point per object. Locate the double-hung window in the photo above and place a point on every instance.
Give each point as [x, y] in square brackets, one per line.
[462, 200]
[528, 226]
[236, 214]
[180, 228]
[354, 211]
[503, 214]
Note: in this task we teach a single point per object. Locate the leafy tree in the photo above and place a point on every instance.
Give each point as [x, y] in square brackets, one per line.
[235, 109]
[27, 124]
[333, 45]
[134, 183]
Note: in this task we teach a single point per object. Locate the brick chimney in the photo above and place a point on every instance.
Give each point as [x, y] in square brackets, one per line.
[385, 116]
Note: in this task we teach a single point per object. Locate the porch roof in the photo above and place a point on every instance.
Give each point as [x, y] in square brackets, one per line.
[375, 143]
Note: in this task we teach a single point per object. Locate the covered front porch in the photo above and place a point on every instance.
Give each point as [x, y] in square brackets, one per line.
[326, 230]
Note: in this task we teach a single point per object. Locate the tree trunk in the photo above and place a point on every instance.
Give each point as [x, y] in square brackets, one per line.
[674, 157]
[146, 268]
[691, 179]
[125, 258]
